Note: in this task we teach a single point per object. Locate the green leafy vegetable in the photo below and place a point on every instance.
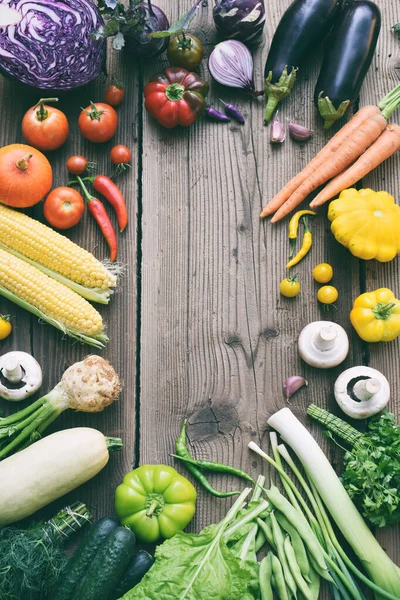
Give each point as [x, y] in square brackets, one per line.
[193, 566]
[372, 466]
[181, 25]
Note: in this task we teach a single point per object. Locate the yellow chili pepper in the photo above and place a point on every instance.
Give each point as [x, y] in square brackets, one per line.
[305, 247]
[294, 226]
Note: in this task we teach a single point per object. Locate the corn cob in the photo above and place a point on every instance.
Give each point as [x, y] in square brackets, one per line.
[55, 255]
[50, 300]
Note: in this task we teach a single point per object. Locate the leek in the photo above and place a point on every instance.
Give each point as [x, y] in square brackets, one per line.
[380, 568]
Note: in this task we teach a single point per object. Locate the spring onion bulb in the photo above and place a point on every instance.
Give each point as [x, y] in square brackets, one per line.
[231, 64]
[382, 571]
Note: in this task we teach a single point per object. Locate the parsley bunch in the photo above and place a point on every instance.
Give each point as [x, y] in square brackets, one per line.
[372, 471]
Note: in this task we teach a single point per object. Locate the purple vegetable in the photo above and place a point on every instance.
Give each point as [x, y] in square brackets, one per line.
[215, 115]
[150, 19]
[231, 64]
[47, 44]
[232, 111]
[240, 19]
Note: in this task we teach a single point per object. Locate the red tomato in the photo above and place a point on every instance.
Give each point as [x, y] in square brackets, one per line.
[114, 94]
[98, 122]
[25, 175]
[120, 155]
[63, 207]
[45, 127]
[77, 164]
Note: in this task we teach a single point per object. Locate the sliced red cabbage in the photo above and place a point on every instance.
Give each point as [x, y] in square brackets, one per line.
[47, 44]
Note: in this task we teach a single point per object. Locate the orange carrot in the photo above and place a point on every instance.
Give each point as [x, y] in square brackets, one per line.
[387, 144]
[349, 151]
[323, 155]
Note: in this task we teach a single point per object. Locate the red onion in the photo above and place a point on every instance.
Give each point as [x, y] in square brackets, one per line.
[231, 64]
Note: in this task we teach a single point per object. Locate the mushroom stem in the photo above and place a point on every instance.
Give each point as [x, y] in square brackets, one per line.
[366, 388]
[325, 340]
[12, 370]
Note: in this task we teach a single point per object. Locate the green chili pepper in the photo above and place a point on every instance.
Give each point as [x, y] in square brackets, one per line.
[183, 453]
[216, 467]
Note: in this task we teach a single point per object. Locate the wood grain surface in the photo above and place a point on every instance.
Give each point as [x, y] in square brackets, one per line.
[198, 328]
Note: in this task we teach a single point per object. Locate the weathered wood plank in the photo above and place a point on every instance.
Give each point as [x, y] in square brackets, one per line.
[53, 352]
[383, 77]
[217, 340]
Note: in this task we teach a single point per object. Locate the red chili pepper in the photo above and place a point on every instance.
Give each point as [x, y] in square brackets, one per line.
[113, 194]
[96, 208]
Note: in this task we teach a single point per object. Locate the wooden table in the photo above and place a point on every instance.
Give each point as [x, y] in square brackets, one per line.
[197, 327]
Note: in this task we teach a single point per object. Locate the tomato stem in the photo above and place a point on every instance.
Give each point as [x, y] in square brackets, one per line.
[43, 113]
[174, 92]
[23, 163]
[5, 317]
[94, 112]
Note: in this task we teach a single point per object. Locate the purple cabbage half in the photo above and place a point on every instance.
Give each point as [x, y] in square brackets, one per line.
[151, 20]
[48, 44]
[240, 19]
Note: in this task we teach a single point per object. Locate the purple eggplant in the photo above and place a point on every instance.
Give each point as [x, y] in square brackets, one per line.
[303, 26]
[150, 19]
[242, 20]
[348, 56]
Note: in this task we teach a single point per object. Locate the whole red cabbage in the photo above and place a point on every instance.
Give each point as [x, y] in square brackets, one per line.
[240, 19]
[51, 47]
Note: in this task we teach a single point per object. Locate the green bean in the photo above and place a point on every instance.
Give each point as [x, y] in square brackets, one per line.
[299, 522]
[183, 452]
[295, 569]
[215, 467]
[297, 543]
[315, 583]
[260, 540]
[265, 578]
[279, 542]
[278, 578]
[266, 528]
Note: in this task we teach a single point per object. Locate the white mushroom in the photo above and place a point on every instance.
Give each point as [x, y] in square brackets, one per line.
[20, 376]
[361, 392]
[323, 344]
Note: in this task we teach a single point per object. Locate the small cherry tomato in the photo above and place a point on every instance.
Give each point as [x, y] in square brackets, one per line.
[5, 326]
[289, 287]
[98, 122]
[322, 273]
[120, 156]
[114, 94]
[63, 207]
[45, 127]
[327, 294]
[77, 164]
[185, 50]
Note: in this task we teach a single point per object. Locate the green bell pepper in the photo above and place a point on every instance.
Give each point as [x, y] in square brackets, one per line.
[155, 502]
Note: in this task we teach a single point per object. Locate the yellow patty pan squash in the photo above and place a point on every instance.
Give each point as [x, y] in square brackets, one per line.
[367, 223]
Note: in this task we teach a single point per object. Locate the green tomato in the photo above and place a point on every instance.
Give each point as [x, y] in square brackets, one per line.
[155, 502]
[186, 51]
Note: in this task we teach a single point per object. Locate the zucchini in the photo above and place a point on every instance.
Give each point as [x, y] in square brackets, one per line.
[48, 469]
[77, 565]
[137, 568]
[108, 566]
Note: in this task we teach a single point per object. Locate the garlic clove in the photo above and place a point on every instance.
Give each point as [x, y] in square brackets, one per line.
[299, 132]
[292, 384]
[277, 133]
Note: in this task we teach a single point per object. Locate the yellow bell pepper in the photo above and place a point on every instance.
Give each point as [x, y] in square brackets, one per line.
[376, 316]
[367, 223]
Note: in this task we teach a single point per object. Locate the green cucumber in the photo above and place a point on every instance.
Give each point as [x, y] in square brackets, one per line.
[108, 566]
[78, 563]
[136, 569]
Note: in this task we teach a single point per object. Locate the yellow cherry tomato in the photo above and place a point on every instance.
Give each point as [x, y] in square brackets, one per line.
[322, 273]
[327, 294]
[289, 287]
[5, 326]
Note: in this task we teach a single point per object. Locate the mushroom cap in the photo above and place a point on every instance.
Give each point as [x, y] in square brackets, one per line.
[361, 409]
[326, 352]
[91, 384]
[31, 378]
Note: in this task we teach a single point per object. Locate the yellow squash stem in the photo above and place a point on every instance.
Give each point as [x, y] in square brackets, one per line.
[380, 568]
